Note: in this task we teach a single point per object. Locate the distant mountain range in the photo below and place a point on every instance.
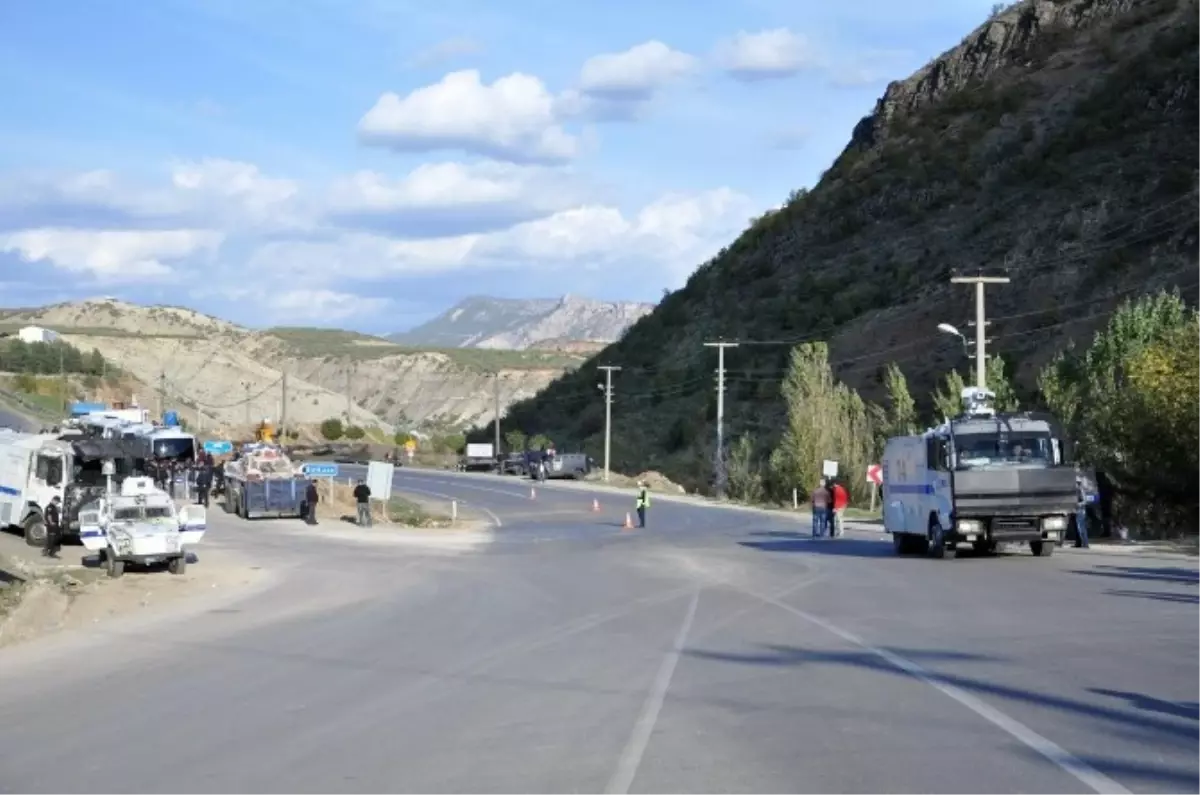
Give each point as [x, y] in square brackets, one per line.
[518, 324]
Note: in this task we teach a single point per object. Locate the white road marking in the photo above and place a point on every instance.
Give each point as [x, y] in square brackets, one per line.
[1055, 753]
[635, 749]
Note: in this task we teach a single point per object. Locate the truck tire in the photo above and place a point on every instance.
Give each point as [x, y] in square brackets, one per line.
[114, 566]
[178, 565]
[900, 543]
[35, 531]
[937, 542]
[1041, 549]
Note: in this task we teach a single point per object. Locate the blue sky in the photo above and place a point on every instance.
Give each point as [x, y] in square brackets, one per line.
[366, 163]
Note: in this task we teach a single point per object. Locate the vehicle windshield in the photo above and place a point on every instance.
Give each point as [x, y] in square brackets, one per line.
[139, 512]
[976, 450]
[91, 473]
[180, 448]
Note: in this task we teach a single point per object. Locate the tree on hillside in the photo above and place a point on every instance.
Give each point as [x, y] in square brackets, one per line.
[947, 399]
[515, 439]
[825, 420]
[540, 441]
[1001, 385]
[1157, 423]
[403, 437]
[1079, 384]
[743, 472]
[901, 417]
[354, 433]
[332, 429]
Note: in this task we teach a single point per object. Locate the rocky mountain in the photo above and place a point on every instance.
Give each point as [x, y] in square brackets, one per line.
[220, 374]
[1057, 144]
[517, 324]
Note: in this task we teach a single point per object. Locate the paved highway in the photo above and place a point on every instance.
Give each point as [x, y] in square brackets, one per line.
[714, 651]
[18, 422]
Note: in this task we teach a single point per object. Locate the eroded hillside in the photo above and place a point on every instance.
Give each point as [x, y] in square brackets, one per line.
[220, 374]
[1057, 144]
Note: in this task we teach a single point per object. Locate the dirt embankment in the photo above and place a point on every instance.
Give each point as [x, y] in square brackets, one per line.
[40, 596]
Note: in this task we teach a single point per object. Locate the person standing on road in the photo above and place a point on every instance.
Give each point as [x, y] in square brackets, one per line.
[204, 476]
[311, 498]
[838, 504]
[1086, 493]
[362, 500]
[820, 509]
[643, 502]
[52, 518]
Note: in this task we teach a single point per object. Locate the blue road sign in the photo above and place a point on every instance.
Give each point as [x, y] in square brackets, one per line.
[321, 470]
[218, 448]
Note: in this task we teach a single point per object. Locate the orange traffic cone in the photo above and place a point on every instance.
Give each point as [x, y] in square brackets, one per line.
[628, 522]
[595, 505]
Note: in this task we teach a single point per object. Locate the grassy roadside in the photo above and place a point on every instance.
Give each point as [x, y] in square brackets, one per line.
[401, 510]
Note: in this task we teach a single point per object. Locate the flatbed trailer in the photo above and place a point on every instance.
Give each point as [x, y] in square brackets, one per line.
[267, 498]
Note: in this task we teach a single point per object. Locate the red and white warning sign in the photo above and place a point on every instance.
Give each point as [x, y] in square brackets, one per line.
[875, 474]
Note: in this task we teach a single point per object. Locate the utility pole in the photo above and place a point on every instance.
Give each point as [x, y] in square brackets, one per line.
[283, 398]
[980, 321]
[608, 371]
[719, 463]
[496, 396]
[62, 375]
[162, 394]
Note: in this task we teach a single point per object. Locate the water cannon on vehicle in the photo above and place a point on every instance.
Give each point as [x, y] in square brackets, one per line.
[978, 402]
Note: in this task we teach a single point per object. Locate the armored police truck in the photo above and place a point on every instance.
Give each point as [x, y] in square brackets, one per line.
[982, 478]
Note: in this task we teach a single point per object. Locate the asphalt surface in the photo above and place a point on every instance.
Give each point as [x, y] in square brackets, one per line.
[714, 651]
[18, 422]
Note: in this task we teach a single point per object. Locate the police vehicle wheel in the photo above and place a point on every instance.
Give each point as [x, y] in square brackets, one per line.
[900, 543]
[35, 531]
[177, 565]
[115, 567]
[1041, 548]
[937, 542]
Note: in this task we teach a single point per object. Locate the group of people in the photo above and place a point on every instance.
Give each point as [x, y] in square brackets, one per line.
[204, 473]
[829, 501]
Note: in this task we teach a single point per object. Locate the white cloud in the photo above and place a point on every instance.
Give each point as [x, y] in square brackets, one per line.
[110, 255]
[512, 119]
[324, 306]
[765, 55]
[440, 185]
[636, 73]
[231, 184]
[666, 240]
[211, 192]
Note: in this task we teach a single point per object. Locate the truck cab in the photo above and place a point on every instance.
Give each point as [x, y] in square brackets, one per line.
[982, 478]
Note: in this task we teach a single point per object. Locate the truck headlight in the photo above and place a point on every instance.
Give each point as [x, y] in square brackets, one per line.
[1054, 523]
[969, 526]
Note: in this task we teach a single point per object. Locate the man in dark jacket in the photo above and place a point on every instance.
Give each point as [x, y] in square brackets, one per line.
[52, 517]
[311, 498]
[362, 501]
[204, 477]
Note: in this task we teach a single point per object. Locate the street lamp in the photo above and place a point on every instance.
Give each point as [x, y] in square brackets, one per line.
[946, 328]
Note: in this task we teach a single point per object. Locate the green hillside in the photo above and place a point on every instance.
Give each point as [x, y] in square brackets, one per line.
[1056, 144]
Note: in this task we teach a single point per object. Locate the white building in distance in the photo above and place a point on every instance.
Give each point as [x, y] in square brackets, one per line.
[37, 334]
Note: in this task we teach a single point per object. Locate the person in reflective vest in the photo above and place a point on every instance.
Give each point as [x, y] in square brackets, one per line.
[643, 502]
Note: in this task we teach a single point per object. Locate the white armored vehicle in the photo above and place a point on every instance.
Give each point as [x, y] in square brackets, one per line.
[982, 478]
[107, 501]
[138, 523]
